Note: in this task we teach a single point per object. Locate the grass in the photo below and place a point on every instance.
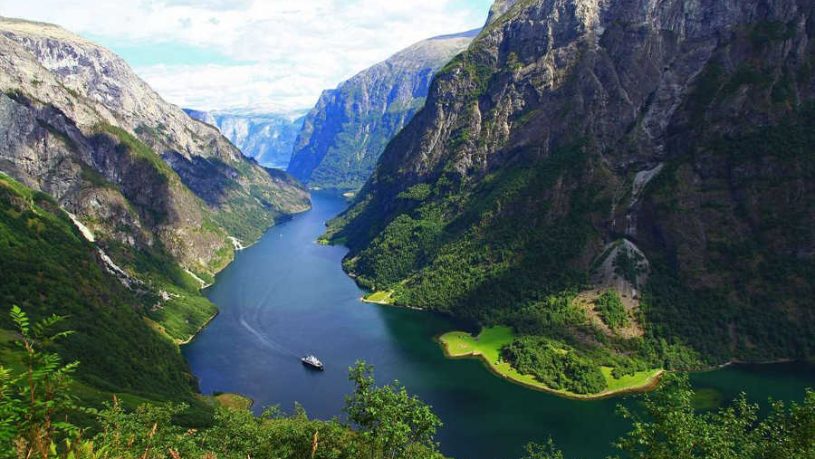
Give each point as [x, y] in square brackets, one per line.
[234, 401]
[383, 297]
[487, 347]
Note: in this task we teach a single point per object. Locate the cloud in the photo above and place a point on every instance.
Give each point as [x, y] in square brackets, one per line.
[267, 54]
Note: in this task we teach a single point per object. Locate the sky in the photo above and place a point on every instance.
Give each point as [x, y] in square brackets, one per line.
[263, 56]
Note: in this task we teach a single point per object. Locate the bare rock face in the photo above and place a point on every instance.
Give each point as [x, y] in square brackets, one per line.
[78, 124]
[680, 130]
[343, 136]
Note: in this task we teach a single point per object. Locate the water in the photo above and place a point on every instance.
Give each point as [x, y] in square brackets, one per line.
[288, 296]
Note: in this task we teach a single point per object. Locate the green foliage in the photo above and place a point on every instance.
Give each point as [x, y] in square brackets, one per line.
[37, 405]
[546, 450]
[341, 153]
[468, 65]
[611, 310]
[48, 268]
[393, 423]
[480, 251]
[755, 278]
[627, 264]
[418, 192]
[556, 367]
[670, 428]
[548, 316]
[134, 146]
[32, 399]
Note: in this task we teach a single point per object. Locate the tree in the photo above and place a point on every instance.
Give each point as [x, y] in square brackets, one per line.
[542, 451]
[393, 423]
[671, 428]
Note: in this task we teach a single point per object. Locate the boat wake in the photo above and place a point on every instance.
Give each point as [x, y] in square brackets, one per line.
[265, 340]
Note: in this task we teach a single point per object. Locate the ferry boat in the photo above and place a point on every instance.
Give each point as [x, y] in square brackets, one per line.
[313, 362]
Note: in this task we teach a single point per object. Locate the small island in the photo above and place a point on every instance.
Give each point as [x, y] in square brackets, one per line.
[487, 347]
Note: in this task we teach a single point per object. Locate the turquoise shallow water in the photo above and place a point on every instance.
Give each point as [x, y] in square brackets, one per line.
[288, 296]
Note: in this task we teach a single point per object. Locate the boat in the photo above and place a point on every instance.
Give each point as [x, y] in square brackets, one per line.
[313, 362]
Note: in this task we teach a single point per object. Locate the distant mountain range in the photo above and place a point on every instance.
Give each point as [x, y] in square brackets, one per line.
[268, 138]
[346, 132]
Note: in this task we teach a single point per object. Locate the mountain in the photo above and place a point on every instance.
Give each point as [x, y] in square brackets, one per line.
[343, 136]
[268, 138]
[163, 199]
[49, 267]
[583, 156]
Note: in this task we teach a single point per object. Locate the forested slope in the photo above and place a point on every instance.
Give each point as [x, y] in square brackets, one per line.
[659, 152]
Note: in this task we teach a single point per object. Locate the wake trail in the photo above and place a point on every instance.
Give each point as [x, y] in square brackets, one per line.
[265, 340]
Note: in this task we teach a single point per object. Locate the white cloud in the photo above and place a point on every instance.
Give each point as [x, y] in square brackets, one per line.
[277, 53]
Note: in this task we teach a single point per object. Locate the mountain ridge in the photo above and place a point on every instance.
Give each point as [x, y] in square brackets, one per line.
[165, 201]
[345, 133]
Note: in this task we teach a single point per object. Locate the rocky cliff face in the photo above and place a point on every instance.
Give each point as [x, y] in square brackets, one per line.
[268, 139]
[343, 136]
[154, 186]
[662, 149]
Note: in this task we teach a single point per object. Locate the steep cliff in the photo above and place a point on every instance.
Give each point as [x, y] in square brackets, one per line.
[267, 138]
[152, 186]
[343, 136]
[658, 150]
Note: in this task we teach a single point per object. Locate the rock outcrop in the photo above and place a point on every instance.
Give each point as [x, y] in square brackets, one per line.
[344, 135]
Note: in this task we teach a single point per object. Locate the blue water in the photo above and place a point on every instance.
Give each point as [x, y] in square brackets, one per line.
[288, 296]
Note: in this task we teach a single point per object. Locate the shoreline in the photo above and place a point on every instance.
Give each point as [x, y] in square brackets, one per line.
[737, 362]
[392, 305]
[181, 343]
[652, 383]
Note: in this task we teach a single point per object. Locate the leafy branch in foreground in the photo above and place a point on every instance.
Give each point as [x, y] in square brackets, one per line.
[33, 402]
[670, 428]
[392, 422]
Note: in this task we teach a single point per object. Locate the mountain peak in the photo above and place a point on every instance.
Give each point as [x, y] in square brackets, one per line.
[344, 135]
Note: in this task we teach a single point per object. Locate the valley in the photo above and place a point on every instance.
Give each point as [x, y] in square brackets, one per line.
[581, 229]
[253, 348]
